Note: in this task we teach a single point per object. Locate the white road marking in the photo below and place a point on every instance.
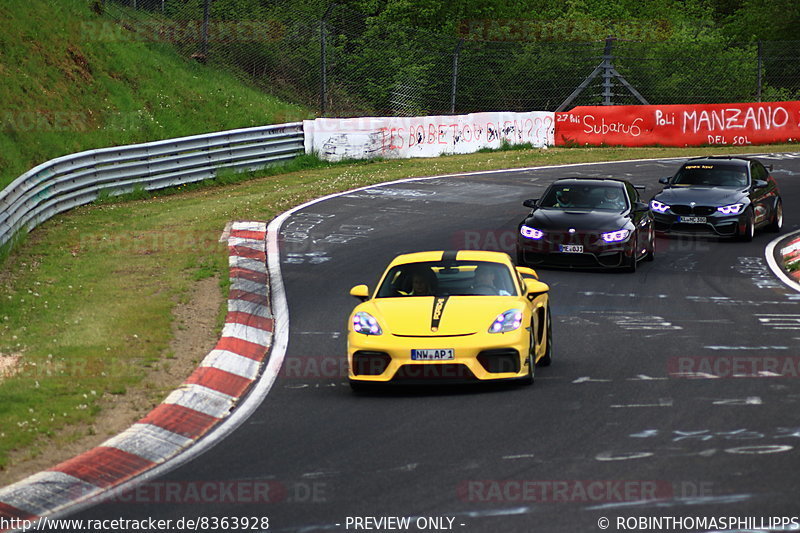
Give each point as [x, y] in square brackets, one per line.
[724, 300]
[623, 456]
[696, 500]
[587, 379]
[647, 433]
[615, 505]
[695, 375]
[314, 475]
[750, 400]
[760, 450]
[662, 402]
[332, 334]
[780, 321]
[732, 348]
[497, 512]
[636, 321]
[623, 295]
[757, 271]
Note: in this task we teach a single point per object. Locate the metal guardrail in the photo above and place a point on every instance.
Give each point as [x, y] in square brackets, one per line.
[73, 180]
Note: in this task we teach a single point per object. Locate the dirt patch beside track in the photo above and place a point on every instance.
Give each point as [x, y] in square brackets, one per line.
[195, 333]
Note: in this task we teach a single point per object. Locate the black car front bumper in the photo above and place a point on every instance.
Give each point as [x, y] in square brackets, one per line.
[714, 224]
[546, 253]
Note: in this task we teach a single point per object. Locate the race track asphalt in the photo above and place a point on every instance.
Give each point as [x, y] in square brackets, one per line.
[674, 391]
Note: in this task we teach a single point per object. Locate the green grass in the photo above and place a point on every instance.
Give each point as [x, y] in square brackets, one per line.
[86, 300]
[505, 146]
[65, 87]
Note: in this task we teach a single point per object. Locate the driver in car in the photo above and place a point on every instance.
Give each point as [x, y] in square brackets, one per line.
[483, 283]
[612, 199]
[564, 198]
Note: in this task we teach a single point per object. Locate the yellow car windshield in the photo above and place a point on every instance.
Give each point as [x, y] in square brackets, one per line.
[453, 278]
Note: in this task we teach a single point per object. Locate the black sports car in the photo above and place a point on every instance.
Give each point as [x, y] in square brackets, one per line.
[587, 222]
[722, 196]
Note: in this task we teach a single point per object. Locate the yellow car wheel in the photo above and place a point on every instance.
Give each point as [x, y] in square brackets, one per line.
[528, 380]
[548, 354]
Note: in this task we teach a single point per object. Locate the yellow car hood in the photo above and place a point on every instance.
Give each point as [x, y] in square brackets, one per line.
[458, 315]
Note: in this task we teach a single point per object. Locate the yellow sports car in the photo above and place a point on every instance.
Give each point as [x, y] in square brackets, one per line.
[455, 316]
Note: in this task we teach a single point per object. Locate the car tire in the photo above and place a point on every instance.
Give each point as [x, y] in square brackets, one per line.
[651, 252]
[749, 228]
[776, 224]
[528, 379]
[547, 359]
[630, 266]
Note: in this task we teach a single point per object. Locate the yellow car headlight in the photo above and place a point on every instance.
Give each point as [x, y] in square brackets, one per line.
[507, 321]
[366, 323]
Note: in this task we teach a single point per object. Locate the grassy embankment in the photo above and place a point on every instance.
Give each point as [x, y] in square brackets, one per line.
[69, 84]
[71, 80]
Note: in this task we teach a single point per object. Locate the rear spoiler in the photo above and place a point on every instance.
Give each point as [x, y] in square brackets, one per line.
[640, 187]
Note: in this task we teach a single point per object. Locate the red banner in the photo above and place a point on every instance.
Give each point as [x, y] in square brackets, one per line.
[680, 125]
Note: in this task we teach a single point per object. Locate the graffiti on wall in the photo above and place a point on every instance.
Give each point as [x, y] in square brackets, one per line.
[358, 138]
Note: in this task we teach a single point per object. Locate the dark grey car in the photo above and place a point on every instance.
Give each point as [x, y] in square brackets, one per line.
[720, 196]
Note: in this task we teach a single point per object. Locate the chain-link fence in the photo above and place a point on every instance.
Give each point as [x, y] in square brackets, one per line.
[342, 63]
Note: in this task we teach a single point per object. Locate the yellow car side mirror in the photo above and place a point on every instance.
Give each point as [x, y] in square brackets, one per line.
[527, 272]
[535, 287]
[361, 292]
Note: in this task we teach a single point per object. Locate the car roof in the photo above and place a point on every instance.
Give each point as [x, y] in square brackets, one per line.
[588, 181]
[735, 160]
[458, 255]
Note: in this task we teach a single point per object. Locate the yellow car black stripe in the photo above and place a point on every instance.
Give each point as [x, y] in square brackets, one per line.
[449, 256]
[438, 310]
[440, 301]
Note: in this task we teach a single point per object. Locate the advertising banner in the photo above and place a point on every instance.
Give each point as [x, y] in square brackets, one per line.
[680, 125]
[334, 139]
